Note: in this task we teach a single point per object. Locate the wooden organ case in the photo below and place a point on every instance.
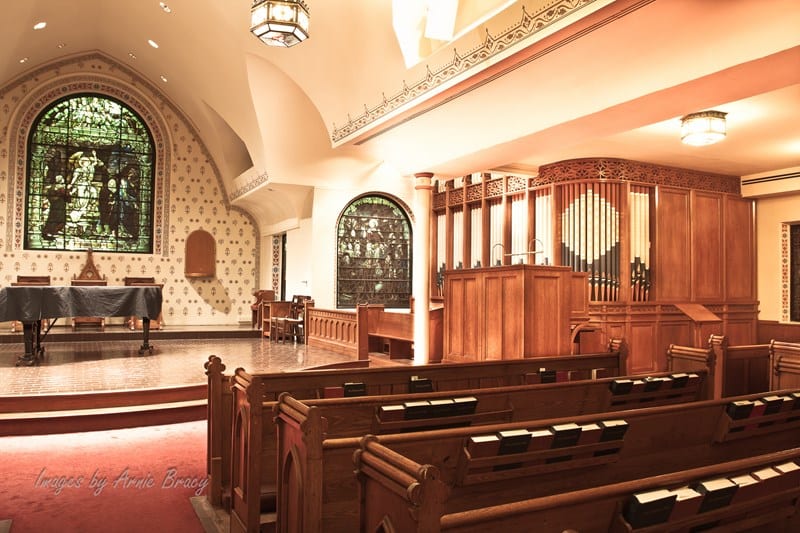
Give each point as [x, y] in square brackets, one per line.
[667, 254]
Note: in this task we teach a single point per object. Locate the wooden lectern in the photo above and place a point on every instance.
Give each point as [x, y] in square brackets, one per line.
[510, 312]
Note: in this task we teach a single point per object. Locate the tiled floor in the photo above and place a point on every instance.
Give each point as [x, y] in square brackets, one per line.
[114, 364]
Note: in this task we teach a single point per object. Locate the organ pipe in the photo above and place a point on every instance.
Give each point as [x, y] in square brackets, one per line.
[590, 235]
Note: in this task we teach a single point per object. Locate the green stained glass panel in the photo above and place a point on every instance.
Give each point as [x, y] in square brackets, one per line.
[90, 178]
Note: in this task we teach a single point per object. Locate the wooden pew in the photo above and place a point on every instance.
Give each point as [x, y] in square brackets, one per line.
[690, 359]
[316, 491]
[785, 364]
[306, 428]
[370, 328]
[398, 494]
[387, 380]
[733, 370]
[745, 368]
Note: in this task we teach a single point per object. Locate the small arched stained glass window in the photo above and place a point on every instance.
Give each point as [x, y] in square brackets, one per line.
[373, 254]
[90, 179]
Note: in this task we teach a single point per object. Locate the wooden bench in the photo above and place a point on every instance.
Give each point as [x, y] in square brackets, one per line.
[784, 364]
[305, 428]
[387, 380]
[370, 328]
[316, 491]
[658, 441]
[732, 370]
[398, 494]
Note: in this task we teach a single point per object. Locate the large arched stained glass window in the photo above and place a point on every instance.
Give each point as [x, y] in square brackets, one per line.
[90, 178]
[374, 254]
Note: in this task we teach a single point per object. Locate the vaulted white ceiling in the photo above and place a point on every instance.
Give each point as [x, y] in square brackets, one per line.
[611, 79]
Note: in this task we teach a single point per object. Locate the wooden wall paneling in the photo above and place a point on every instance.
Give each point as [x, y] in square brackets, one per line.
[579, 297]
[740, 249]
[707, 253]
[503, 302]
[672, 274]
[642, 337]
[458, 339]
[547, 314]
[740, 323]
[769, 330]
[672, 328]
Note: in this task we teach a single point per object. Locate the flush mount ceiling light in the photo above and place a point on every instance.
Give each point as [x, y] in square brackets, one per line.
[279, 22]
[703, 128]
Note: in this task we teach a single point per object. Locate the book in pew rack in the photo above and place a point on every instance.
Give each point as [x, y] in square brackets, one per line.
[417, 384]
[464, 405]
[747, 488]
[512, 441]
[417, 409]
[790, 475]
[564, 436]
[645, 509]
[612, 430]
[687, 503]
[483, 445]
[391, 413]
[353, 388]
[717, 493]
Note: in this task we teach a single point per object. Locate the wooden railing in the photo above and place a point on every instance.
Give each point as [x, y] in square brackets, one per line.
[334, 330]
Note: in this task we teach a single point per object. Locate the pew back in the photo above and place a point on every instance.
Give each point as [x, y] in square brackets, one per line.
[315, 437]
[659, 439]
[397, 494]
[785, 363]
[385, 380]
[733, 370]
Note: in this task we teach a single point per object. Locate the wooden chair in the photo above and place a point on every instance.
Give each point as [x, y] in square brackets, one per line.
[294, 325]
[286, 325]
[29, 280]
[135, 322]
[263, 295]
[89, 276]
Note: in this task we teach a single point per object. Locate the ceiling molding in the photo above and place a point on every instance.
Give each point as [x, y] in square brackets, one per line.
[498, 55]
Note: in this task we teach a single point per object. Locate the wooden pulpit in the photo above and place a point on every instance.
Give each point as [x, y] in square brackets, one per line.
[509, 312]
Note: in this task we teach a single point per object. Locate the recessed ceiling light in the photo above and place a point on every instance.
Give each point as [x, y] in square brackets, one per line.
[40, 25]
[164, 79]
[131, 55]
[23, 60]
[61, 45]
[152, 43]
[165, 7]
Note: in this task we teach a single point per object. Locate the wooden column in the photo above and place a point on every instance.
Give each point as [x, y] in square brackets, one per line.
[422, 259]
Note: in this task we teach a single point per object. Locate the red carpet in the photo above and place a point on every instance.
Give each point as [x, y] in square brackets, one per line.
[126, 480]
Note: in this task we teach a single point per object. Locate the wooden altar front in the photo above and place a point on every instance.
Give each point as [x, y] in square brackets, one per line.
[510, 312]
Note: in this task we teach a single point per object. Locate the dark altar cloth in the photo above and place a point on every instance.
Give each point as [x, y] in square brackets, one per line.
[32, 303]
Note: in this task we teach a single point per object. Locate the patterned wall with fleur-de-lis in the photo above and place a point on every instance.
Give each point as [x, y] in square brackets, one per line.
[189, 195]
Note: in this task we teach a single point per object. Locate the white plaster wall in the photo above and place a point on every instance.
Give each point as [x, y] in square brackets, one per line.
[771, 213]
[328, 204]
[300, 254]
[191, 192]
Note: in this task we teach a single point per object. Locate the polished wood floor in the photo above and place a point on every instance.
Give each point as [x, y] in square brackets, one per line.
[91, 361]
